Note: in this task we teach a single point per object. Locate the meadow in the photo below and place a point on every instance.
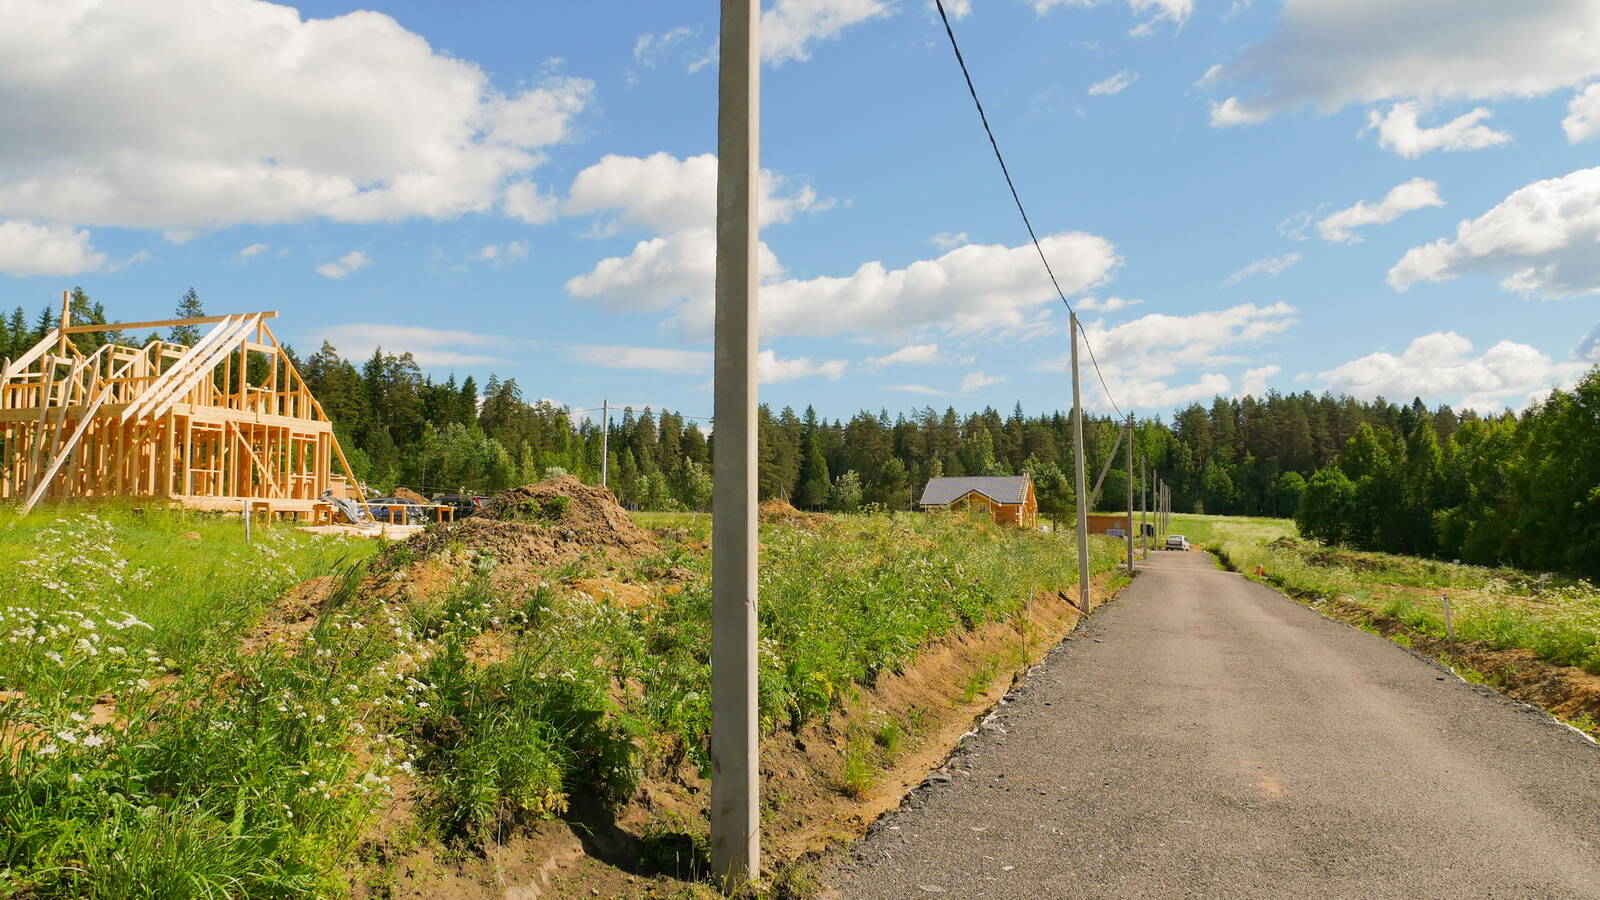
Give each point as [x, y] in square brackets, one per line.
[183, 713]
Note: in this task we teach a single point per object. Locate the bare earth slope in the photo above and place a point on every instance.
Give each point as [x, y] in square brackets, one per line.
[1206, 736]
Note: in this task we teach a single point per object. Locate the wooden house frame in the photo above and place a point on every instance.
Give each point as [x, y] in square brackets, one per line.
[227, 424]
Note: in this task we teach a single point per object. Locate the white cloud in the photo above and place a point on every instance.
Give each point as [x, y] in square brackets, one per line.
[1231, 112]
[1109, 304]
[1441, 366]
[1273, 265]
[659, 273]
[977, 381]
[1583, 115]
[1588, 349]
[1175, 11]
[432, 347]
[789, 28]
[1140, 359]
[916, 355]
[669, 361]
[649, 49]
[351, 118]
[1545, 237]
[919, 389]
[30, 249]
[524, 202]
[944, 240]
[252, 250]
[179, 236]
[1402, 198]
[353, 261]
[1330, 53]
[1254, 381]
[1399, 130]
[958, 9]
[665, 193]
[1116, 84]
[502, 254]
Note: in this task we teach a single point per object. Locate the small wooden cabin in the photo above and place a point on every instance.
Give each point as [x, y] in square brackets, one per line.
[226, 424]
[1101, 523]
[1009, 498]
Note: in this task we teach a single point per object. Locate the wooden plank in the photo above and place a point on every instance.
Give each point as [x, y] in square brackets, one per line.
[170, 395]
[164, 323]
[272, 482]
[72, 442]
[190, 360]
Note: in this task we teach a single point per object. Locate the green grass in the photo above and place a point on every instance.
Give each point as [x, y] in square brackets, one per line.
[145, 753]
[1556, 618]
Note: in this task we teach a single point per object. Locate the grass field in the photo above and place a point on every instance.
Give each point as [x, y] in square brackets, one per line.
[167, 729]
[1557, 619]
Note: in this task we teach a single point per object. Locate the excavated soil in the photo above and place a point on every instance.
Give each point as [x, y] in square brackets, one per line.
[541, 525]
[405, 493]
[782, 511]
[292, 616]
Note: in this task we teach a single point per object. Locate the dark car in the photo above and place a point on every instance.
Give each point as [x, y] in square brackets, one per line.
[464, 504]
[397, 511]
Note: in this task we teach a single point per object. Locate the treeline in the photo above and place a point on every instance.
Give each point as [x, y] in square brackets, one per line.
[1238, 456]
[1519, 490]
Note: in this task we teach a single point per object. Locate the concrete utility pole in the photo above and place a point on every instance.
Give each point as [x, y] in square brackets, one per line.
[605, 439]
[735, 774]
[1144, 501]
[1130, 493]
[1077, 466]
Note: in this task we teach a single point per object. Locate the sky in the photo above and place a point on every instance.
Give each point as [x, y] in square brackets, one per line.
[1353, 196]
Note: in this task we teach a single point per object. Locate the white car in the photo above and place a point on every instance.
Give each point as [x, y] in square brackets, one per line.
[1177, 542]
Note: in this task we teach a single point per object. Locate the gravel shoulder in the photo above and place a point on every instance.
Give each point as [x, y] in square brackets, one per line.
[1206, 736]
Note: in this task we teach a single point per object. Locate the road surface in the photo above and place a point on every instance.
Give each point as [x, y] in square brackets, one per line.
[1206, 736]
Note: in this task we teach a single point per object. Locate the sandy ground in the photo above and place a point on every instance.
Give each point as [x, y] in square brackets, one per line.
[1206, 736]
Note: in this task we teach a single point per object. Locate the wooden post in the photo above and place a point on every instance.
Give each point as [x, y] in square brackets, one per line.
[1130, 493]
[1077, 466]
[735, 778]
[66, 320]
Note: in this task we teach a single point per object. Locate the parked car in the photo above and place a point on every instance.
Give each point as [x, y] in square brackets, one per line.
[1177, 542]
[397, 511]
[464, 504]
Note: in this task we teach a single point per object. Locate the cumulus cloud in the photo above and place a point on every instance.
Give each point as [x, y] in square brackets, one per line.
[30, 249]
[1109, 304]
[252, 250]
[1403, 198]
[665, 193]
[430, 347]
[241, 111]
[1588, 349]
[1273, 265]
[790, 28]
[977, 381]
[1232, 112]
[1583, 115]
[1400, 131]
[944, 240]
[1116, 84]
[770, 367]
[1253, 382]
[1142, 360]
[958, 9]
[1330, 53]
[353, 261]
[1545, 237]
[499, 255]
[1174, 11]
[1441, 366]
[916, 355]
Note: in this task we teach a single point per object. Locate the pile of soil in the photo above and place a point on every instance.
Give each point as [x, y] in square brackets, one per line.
[405, 493]
[544, 524]
[784, 512]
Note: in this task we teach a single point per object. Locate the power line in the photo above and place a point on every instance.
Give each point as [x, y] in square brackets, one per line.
[1018, 199]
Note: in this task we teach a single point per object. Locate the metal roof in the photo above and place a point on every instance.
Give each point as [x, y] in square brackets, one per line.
[999, 488]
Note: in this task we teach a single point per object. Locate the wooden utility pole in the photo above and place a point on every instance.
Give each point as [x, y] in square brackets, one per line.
[1077, 467]
[1130, 493]
[735, 785]
[605, 439]
[1144, 501]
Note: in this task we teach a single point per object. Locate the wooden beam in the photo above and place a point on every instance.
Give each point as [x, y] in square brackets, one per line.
[66, 451]
[164, 323]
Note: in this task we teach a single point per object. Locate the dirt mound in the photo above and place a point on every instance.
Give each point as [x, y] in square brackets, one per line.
[543, 524]
[405, 493]
[784, 512]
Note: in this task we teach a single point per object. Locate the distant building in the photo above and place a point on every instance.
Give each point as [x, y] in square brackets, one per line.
[1009, 498]
[1101, 523]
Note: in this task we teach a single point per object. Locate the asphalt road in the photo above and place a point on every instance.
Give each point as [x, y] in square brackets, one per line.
[1204, 736]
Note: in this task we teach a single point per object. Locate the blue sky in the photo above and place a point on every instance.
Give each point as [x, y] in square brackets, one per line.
[1311, 194]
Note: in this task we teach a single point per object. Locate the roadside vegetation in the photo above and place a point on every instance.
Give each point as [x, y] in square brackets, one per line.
[186, 714]
[1555, 618]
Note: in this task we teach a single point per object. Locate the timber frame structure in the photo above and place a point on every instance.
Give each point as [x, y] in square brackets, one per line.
[227, 424]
